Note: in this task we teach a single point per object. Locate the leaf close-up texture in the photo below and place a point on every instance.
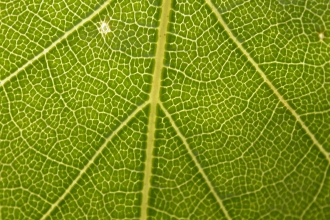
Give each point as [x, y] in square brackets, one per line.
[172, 109]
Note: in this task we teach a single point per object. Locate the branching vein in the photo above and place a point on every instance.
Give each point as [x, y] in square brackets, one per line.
[208, 182]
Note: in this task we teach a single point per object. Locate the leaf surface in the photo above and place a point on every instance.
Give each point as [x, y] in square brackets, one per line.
[165, 109]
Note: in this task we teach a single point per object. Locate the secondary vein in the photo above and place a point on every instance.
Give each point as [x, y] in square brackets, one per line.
[268, 82]
[65, 35]
[91, 161]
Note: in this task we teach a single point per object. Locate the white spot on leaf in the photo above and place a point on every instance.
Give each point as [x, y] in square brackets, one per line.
[104, 28]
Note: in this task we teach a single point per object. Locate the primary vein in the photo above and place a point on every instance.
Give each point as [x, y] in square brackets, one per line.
[154, 98]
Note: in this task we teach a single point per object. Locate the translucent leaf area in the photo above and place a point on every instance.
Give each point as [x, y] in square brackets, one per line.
[172, 109]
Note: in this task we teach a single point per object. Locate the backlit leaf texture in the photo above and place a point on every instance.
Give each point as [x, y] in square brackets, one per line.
[173, 109]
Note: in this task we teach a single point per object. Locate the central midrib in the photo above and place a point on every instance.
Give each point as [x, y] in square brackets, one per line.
[154, 98]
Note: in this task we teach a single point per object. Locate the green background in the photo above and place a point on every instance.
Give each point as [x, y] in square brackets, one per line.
[227, 118]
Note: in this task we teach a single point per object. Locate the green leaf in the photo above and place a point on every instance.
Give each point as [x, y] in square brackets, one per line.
[214, 109]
